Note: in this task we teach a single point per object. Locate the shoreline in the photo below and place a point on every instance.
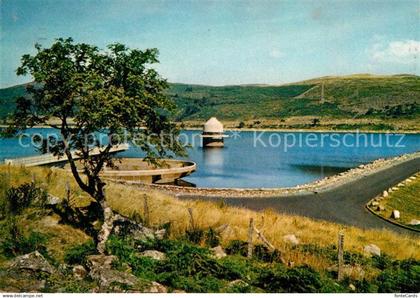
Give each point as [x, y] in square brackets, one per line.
[296, 130]
[313, 187]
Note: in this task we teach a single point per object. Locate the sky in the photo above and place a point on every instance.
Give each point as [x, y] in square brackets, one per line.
[226, 42]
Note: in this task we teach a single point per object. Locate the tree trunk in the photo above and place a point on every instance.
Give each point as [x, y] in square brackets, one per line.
[108, 220]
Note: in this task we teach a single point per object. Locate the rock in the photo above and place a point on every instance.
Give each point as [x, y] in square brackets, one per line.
[156, 288]
[394, 188]
[108, 277]
[374, 204]
[79, 272]
[385, 194]
[291, 239]
[218, 252]
[414, 222]
[160, 234]
[179, 292]
[372, 250]
[380, 208]
[100, 261]
[237, 283]
[100, 269]
[33, 261]
[395, 214]
[352, 287]
[124, 226]
[154, 254]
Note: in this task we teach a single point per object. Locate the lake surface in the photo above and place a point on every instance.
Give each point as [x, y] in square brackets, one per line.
[267, 159]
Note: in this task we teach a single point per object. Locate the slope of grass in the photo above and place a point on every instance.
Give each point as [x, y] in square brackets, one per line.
[406, 200]
[358, 96]
[350, 96]
[189, 264]
[128, 200]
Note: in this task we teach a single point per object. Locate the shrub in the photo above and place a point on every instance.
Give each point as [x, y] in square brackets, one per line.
[21, 197]
[403, 277]
[212, 238]
[78, 253]
[122, 248]
[15, 243]
[194, 235]
[301, 279]
[187, 260]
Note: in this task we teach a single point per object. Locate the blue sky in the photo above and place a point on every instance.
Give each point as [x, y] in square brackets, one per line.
[226, 42]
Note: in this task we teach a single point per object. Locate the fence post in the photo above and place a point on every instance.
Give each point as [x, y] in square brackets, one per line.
[33, 178]
[190, 211]
[250, 232]
[146, 212]
[340, 254]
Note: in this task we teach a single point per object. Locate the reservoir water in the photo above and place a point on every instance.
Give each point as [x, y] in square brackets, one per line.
[267, 159]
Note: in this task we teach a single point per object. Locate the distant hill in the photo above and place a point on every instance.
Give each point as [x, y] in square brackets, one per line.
[8, 97]
[362, 95]
[347, 96]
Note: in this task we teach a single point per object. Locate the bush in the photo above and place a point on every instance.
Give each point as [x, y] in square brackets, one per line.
[301, 279]
[21, 197]
[15, 243]
[78, 253]
[403, 277]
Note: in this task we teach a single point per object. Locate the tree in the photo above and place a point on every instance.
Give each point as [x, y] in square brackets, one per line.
[87, 91]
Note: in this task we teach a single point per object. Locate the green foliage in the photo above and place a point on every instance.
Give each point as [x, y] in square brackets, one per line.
[210, 237]
[78, 253]
[8, 99]
[114, 92]
[260, 252]
[21, 197]
[402, 277]
[14, 242]
[302, 279]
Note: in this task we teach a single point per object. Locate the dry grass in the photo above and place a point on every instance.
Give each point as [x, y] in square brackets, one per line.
[128, 199]
[164, 208]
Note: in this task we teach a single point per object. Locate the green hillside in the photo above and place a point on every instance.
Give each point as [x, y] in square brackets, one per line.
[7, 99]
[360, 96]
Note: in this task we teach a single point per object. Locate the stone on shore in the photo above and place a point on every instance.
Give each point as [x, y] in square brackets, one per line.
[414, 222]
[380, 208]
[385, 194]
[395, 214]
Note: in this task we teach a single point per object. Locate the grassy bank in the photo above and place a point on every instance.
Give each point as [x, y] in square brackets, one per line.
[188, 253]
[405, 199]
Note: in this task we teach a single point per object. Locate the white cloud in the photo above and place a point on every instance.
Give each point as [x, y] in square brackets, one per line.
[403, 52]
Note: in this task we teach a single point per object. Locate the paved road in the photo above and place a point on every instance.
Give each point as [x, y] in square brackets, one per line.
[344, 204]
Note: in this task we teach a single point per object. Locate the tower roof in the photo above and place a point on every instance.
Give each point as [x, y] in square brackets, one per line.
[213, 125]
